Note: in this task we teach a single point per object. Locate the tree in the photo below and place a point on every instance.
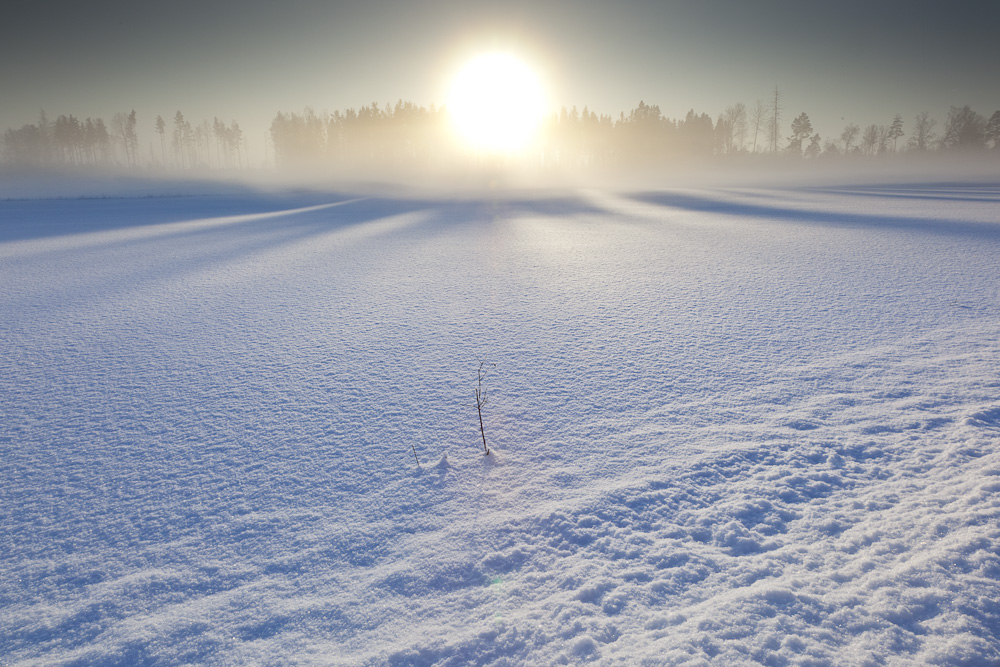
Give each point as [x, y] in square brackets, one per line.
[104, 137]
[183, 140]
[643, 134]
[738, 118]
[228, 139]
[91, 140]
[44, 137]
[869, 140]
[133, 136]
[896, 130]
[883, 140]
[123, 127]
[695, 133]
[923, 132]
[161, 129]
[965, 129]
[801, 129]
[774, 122]
[24, 146]
[67, 137]
[203, 143]
[849, 136]
[993, 130]
[813, 149]
[237, 139]
[758, 121]
[732, 128]
[301, 140]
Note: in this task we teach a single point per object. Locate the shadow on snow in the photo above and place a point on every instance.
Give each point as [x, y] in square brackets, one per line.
[874, 221]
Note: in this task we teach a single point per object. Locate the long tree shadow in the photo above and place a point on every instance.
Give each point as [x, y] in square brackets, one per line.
[138, 241]
[561, 206]
[123, 262]
[937, 225]
[987, 193]
[26, 219]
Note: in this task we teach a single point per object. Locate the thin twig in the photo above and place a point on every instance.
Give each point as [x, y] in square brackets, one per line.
[481, 401]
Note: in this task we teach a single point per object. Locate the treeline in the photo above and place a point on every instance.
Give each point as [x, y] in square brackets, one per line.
[646, 135]
[406, 135]
[400, 135]
[204, 145]
[68, 141]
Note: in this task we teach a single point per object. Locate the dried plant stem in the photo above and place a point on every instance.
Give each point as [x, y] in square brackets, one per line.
[481, 401]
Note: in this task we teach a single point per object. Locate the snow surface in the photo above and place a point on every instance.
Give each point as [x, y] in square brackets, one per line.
[730, 427]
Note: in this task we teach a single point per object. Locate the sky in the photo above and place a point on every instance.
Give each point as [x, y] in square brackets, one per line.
[245, 60]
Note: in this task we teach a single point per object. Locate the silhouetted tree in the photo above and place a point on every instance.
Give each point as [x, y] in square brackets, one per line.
[813, 149]
[965, 129]
[869, 140]
[91, 141]
[67, 136]
[883, 140]
[644, 134]
[102, 140]
[203, 143]
[161, 129]
[183, 141]
[801, 129]
[236, 140]
[993, 130]
[133, 137]
[774, 122]
[123, 126]
[896, 130]
[229, 140]
[731, 128]
[119, 132]
[24, 145]
[45, 137]
[300, 140]
[923, 132]
[695, 134]
[849, 136]
[758, 121]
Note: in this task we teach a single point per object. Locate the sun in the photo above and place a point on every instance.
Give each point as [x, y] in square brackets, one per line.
[497, 103]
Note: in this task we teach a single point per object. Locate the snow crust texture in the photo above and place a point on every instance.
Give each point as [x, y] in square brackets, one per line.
[729, 427]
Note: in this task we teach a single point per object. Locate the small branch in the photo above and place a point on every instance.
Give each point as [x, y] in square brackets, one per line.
[481, 401]
[482, 431]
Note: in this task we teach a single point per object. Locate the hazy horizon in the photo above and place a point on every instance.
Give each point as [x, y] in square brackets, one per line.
[853, 62]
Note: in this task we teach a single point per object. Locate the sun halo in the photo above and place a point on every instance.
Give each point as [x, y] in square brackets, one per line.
[496, 103]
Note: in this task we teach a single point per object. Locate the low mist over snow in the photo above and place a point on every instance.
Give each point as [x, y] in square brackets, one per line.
[728, 425]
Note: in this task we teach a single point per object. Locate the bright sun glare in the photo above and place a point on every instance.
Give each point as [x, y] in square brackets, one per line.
[496, 103]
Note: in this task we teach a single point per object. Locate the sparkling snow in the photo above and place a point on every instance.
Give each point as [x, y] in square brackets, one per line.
[730, 427]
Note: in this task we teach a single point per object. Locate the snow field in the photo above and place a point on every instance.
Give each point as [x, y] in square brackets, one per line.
[730, 427]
